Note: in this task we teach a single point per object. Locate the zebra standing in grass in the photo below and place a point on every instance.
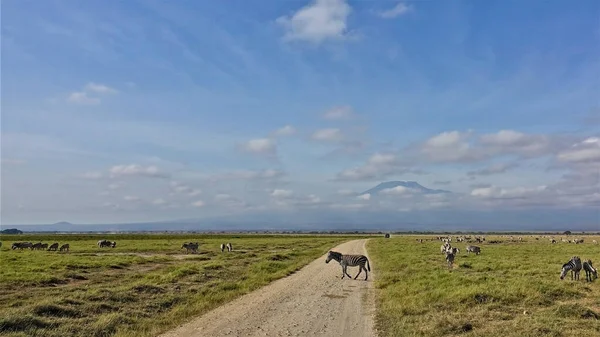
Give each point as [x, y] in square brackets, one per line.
[64, 247]
[574, 265]
[190, 246]
[350, 261]
[53, 247]
[450, 258]
[474, 249]
[222, 247]
[589, 270]
[229, 247]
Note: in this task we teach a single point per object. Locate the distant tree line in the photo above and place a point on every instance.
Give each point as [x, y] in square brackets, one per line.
[11, 231]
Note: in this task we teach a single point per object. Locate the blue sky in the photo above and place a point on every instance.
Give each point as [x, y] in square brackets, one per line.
[147, 110]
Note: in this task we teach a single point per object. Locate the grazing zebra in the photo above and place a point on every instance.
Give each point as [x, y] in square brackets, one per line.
[106, 243]
[64, 247]
[595, 242]
[229, 247]
[350, 261]
[190, 246]
[44, 246]
[552, 241]
[450, 258]
[222, 248]
[574, 265]
[455, 250]
[473, 249]
[589, 270]
[443, 248]
[578, 241]
[36, 246]
[21, 245]
[53, 246]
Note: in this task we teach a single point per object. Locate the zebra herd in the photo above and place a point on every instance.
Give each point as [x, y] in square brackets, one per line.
[40, 246]
[106, 243]
[575, 265]
[451, 252]
[193, 247]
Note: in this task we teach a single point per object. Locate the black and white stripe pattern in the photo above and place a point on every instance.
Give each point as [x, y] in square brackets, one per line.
[589, 270]
[474, 249]
[450, 258]
[350, 261]
[229, 247]
[574, 265]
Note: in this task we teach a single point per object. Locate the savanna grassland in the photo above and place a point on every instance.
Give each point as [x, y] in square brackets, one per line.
[144, 286]
[511, 289]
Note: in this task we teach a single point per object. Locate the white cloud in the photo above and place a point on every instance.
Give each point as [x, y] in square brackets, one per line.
[398, 190]
[452, 146]
[131, 198]
[345, 192]
[99, 88]
[198, 203]
[287, 130]
[133, 170]
[516, 192]
[378, 166]
[82, 98]
[400, 9]
[492, 169]
[114, 186]
[268, 174]
[279, 193]
[339, 112]
[366, 196]
[319, 21]
[514, 142]
[328, 135]
[159, 202]
[587, 151]
[180, 188]
[261, 146]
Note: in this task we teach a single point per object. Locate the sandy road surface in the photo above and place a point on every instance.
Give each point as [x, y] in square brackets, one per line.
[312, 302]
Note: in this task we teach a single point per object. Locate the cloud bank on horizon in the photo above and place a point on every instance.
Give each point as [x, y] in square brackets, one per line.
[142, 111]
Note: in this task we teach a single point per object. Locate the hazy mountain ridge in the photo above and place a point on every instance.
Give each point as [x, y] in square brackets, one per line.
[411, 185]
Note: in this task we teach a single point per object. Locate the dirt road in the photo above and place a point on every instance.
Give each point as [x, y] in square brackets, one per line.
[312, 302]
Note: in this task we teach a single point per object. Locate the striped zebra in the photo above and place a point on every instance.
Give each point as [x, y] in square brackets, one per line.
[190, 246]
[589, 270]
[455, 250]
[222, 247]
[229, 247]
[350, 261]
[473, 249]
[574, 265]
[450, 258]
[64, 248]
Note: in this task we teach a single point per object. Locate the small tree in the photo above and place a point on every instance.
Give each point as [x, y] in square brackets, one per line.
[567, 233]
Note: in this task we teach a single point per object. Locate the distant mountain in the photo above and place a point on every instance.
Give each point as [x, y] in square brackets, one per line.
[413, 185]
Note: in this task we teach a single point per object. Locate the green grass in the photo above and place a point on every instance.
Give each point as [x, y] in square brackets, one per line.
[145, 286]
[511, 289]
